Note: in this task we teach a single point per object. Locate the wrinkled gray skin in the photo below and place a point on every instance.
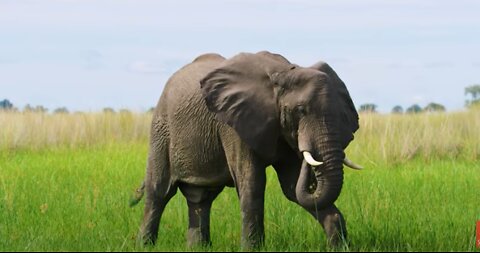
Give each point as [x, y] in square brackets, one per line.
[220, 122]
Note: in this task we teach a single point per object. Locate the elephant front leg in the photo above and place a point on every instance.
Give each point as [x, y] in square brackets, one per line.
[252, 196]
[248, 173]
[334, 225]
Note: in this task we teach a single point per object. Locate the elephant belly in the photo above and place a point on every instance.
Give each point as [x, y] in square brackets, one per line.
[195, 164]
[197, 156]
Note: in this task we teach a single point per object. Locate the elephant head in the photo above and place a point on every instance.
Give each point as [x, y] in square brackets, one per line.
[265, 98]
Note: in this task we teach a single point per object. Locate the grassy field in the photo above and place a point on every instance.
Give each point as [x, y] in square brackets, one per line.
[65, 182]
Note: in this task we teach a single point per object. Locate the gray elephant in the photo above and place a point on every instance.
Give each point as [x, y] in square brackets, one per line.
[220, 122]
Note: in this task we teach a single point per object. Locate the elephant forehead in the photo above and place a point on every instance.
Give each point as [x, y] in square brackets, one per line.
[254, 64]
[300, 77]
[300, 94]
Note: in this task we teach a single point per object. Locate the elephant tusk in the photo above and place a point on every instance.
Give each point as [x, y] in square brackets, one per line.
[351, 164]
[309, 159]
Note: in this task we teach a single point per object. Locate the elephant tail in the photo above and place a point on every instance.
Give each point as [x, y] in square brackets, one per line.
[137, 196]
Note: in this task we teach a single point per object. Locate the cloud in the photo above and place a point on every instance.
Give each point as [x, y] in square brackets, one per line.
[399, 48]
[145, 67]
[439, 65]
[400, 65]
[268, 15]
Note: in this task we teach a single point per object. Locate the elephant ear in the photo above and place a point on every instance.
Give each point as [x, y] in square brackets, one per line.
[241, 95]
[350, 115]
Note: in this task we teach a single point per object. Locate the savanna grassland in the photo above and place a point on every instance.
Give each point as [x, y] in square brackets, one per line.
[66, 179]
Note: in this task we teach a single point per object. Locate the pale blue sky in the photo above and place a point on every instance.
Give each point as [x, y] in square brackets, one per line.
[91, 54]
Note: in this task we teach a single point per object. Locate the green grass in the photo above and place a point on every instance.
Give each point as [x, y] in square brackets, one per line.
[66, 179]
[76, 199]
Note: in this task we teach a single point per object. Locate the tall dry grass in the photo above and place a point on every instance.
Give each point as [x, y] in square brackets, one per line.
[40, 130]
[394, 139]
[381, 138]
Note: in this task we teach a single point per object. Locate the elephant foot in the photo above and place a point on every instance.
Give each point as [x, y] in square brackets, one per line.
[197, 238]
[334, 225]
[336, 230]
[146, 239]
[252, 245]
[254, 241]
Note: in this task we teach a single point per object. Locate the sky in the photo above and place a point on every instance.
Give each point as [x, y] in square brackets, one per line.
[90, 54]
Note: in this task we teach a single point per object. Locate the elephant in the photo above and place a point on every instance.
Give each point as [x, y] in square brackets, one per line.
[221, 122]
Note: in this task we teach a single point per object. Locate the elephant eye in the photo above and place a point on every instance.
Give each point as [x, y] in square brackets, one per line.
[301, 110]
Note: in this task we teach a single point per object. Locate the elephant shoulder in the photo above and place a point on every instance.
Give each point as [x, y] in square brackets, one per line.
[209, 57]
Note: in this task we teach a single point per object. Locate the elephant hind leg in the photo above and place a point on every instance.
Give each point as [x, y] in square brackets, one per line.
[159, 188]
[155, 204]
[199, 200]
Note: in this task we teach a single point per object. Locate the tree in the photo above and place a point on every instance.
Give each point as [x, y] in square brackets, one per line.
[370, 108]
[397, 109]
[108, 110]
[414, 109]
[28, 108]
[124, 111]
[6, 105]
[63, 110]
[38, 108]
[474, 91]
[434, 107]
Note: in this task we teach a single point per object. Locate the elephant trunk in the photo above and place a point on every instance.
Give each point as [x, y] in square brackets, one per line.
[328, 176]
[329, 186]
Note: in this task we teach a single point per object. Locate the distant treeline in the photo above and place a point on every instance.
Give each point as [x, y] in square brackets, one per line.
[473, 100]
[6, 105]
[398, 109]
[472, 92]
